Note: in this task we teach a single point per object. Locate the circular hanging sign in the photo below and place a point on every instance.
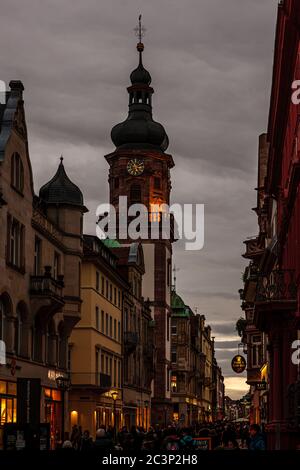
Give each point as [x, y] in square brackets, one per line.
[238, 364]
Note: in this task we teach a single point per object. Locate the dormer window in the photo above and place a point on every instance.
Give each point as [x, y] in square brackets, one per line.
[17, 172]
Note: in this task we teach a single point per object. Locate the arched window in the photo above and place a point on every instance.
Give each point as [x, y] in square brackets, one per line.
[38, 334]
[62, 346]
[17, 172]
[6, 309]
[135, 194]
[21, 330]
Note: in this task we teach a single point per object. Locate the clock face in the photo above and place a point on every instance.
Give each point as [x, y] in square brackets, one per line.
[135, 167]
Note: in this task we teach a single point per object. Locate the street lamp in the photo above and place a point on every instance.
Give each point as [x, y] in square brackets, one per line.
[146, 403]
[63, 384]
[115, 397]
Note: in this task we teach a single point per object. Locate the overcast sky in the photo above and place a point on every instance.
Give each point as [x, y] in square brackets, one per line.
[211, 66]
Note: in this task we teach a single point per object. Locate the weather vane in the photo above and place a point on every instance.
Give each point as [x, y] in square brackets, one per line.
[140, 30]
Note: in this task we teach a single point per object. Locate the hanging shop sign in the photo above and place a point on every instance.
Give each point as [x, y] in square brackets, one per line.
[238, 364]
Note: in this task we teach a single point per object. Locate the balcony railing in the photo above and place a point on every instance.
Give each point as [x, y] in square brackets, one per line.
[278, 285]
[46, 286]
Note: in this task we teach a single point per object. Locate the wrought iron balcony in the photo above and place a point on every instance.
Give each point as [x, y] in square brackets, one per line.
[130, 341]
[279, 285]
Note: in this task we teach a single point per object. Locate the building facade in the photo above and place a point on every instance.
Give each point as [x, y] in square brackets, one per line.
[275, 284]
[40, 257]
[138, 339]
[96, 342]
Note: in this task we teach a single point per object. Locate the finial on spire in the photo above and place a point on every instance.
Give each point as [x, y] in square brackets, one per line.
[140, 32]
[61, 158]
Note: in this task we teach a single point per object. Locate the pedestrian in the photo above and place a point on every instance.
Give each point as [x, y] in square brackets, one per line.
[103, 442]
[86, 442]
[256, 438]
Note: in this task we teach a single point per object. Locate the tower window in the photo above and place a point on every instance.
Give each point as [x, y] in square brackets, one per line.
[135, 194]
[157, 183]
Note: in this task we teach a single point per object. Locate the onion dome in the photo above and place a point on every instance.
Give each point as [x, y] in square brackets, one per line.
[139, 130]
[61, 190]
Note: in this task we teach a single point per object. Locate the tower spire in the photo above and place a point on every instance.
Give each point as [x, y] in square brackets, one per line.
[140, 32]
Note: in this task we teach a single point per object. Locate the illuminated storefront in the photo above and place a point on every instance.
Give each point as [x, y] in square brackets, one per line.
[53, 413]
[8, 405]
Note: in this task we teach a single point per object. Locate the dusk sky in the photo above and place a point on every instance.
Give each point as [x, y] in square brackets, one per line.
[211, 68]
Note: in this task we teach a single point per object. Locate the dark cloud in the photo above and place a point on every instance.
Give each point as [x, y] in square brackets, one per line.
[211, 64]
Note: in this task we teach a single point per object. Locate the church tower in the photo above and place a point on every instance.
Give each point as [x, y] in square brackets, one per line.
[139, 168]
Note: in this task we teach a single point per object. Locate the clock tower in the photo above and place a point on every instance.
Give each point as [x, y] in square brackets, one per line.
[139, 168]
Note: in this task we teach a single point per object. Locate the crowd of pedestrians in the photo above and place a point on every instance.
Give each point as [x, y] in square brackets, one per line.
[221, 435]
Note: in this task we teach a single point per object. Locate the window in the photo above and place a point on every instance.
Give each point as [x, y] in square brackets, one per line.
[173, 326]
[135, 194]
[110, 292]
[256, 351]
[168, 380]
[157, 183]
[102, 364]
[106, 288]
[169, 272]
[119, 331]
[106, 324]
[97, 319]
[56, 265]
[106, 365]
[115, 296]
[174, 383]
[97, 362]
[97, 280]
[115, 372]
[115, 329]
[15, 243]
[119, 299]
[168, 328]
[17, 172]
[102, 321]
[119, 374]
[174, 354]
[37, 256]
[102, 285]
[110, 326]
[110, 366]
